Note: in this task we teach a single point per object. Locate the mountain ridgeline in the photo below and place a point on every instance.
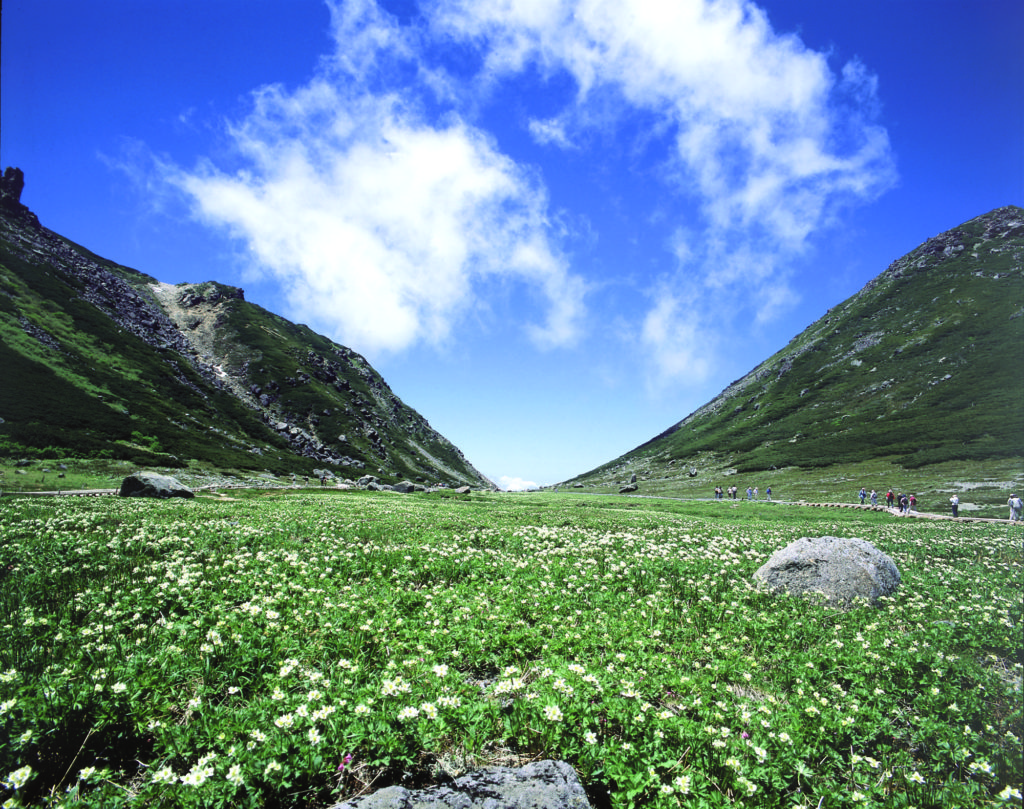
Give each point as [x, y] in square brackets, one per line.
[101, 360]
[923, 366]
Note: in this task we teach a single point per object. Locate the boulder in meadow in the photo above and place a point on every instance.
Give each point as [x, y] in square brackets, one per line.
[539, 785]
[842, 570]
[151, 484]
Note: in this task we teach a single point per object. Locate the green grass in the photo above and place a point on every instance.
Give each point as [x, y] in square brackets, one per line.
[109, 473]
[982, 486]
[237, 652]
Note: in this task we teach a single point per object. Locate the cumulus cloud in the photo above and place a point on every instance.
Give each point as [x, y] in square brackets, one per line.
[380, 221]
[765, 137]
[373, 194]
[515, 484]
[756, 115]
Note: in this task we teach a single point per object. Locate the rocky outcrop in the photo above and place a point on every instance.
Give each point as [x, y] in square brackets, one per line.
[540, 785]
[11, 185]
[209, 293]
[844, 571]
[150, 484]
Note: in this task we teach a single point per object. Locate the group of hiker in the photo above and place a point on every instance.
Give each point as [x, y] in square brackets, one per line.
[901, 503]
[732, 493]
[906, 503]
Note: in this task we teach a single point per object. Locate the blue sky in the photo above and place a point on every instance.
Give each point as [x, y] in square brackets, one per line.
[555, 228]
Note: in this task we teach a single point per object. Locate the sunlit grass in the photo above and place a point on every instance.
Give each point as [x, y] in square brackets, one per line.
[292, 649]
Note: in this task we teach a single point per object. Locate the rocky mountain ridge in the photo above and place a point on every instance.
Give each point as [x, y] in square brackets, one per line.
[262, 386]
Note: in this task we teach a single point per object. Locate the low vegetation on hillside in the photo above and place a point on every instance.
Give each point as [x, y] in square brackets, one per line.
[920, 368]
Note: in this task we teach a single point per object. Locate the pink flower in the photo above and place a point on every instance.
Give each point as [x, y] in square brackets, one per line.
[346, 760]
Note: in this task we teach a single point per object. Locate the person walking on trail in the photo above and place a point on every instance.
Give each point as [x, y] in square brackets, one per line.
[1015, 505]
[954, 501]
[863, 494]
[913, 503]
[755, 492]
[888, 499]
[750, 493]
[768, 492]
[874, 497]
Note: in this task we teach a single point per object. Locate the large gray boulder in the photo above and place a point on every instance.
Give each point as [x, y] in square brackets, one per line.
[540, 785]
[843, 570]
[151, 484]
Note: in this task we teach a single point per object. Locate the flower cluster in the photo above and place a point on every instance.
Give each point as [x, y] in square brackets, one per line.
[629, 642]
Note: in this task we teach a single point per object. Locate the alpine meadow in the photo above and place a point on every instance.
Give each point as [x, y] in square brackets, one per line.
[240, 568]
[295, 648]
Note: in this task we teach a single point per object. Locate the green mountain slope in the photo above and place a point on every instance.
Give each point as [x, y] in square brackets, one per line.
[101, 360]
[924, 366]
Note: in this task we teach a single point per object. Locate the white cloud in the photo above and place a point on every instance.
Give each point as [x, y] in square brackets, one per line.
[765, 137]
[379, 222]
[384, 209]
[515, 484]
[679, 340]
[550, 131]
